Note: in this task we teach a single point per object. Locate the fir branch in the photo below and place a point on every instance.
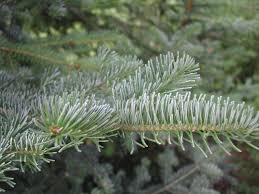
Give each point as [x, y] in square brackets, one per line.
[35, 123]
[187, 171]
[70, 119]
[183, 116]
[5, 163]
[110, 67]
[35, 54]
[30, 149]
[165, 74]
[30, 54]
[171, 184]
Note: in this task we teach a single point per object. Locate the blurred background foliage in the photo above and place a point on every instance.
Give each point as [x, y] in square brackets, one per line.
[222, 35]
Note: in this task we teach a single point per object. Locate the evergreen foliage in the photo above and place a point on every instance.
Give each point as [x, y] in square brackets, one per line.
[68, 90]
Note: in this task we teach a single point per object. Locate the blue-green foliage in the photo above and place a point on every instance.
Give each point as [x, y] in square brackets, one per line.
[97, 94]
